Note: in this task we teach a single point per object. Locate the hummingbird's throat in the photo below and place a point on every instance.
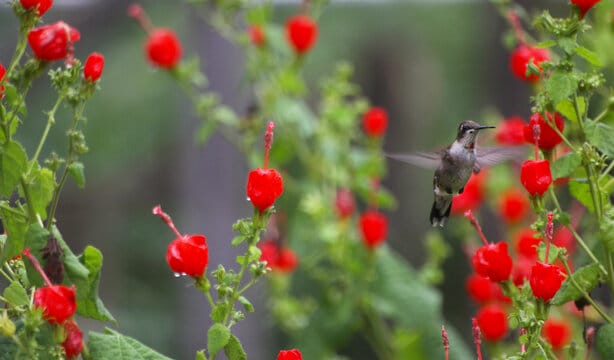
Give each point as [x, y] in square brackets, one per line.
[470, 146]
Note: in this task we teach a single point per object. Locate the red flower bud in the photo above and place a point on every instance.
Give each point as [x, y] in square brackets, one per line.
[522, 56]
[375, 121]
[557, 333]
[535, 176]
[584, 5]
[53, 42]
[492, 320]
[493, 261]
[548, 138]
[73, 345]
[545, 280]
[511, 131]
[2, 72]
[41, 6]
[526, 243]
[344, 203]
[480, 288]
[293, 354]
[256, 35]
[57, 301]
[94, 64]
[374, 228]
[163, 48]
[264, 186]
[472, 195]
[278, 258]
[188, 255]
[301, 32]
[514, 205]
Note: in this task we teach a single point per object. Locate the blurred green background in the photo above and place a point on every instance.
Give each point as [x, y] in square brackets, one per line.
[431, 63]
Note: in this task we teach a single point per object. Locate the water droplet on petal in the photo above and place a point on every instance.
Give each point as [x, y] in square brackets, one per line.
[176, 275]
[248, 199]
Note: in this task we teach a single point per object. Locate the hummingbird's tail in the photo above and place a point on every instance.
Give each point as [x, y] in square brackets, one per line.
[440, 212]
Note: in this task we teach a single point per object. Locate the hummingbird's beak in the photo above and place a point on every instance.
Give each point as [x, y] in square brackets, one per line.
[484, 127]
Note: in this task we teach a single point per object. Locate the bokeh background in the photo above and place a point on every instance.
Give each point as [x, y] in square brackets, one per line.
[431, 63]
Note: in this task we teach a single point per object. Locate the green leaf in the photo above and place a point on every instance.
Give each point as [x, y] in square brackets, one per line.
[41, 185]
[15, 226]
[88, 302]
[246, 303]
[217, 338]
[561, 85]
[607, 230]
[13, 161]
[237, 240]
[604, 343]
[114, 346]
[568, 110]
[219, 312]
[200, 355]
[234, 350]
[582, 192]
[14, 100]
[602, 136]
[589, 56]
[76, 172]
[16, 295]
[568, 44]
[206, 129]
[566, 165]
[586, 277]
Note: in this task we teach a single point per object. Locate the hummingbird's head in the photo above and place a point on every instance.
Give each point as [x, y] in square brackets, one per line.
[468, 132]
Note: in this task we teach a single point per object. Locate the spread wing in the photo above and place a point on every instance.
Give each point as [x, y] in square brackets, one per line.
[488, 156]
[422, 159]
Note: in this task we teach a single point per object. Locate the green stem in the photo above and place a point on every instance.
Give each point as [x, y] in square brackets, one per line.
[605, 173]
[584, 293]
[27, 195]
[58, 188]
[50, 122]
[577, 236]
[580, 117]
[377, 334]
[6, 207]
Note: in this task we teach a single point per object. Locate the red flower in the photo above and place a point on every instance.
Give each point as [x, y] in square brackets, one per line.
[564, 238]
[163, 48]
[493, 261]
[278, 258]
[375, 121]
[41, 6]
[344, 203]
[511, 131]
[94, 64]
[584, 5]
[535, 176]
[73, 345]
[2, 72]
[492, 320]
[53, 42]
[188, 255]
[256, 35]
[293, 354]
[301, 32]
[374, 228]
[57, 301]
[522, 56]
[472, 195]
[548, 138]
[264, 186]
[526, 243]
[480, 289]
[514, 205]
[545, 280]
[557, 333]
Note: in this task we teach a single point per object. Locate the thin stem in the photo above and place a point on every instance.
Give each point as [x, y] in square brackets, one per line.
[474, 222]
[50, 122]
[605, 173]
[580, 117]
[377, 334]
[27, 195]
[558, 132]
[476, 338]
[12, 210]
[575, 234]
[584, 293]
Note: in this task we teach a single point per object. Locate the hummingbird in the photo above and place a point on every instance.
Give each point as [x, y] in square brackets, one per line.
[455, 164]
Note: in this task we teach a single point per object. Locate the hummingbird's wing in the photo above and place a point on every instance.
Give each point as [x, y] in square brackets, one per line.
[488, 156]
[428, 160]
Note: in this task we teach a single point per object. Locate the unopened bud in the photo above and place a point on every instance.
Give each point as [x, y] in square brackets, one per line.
[7, 327]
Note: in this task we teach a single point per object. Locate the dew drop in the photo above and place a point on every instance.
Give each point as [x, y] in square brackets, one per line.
[177, 275]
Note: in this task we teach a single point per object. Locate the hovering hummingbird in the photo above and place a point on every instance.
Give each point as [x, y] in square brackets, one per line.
[455, 164]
